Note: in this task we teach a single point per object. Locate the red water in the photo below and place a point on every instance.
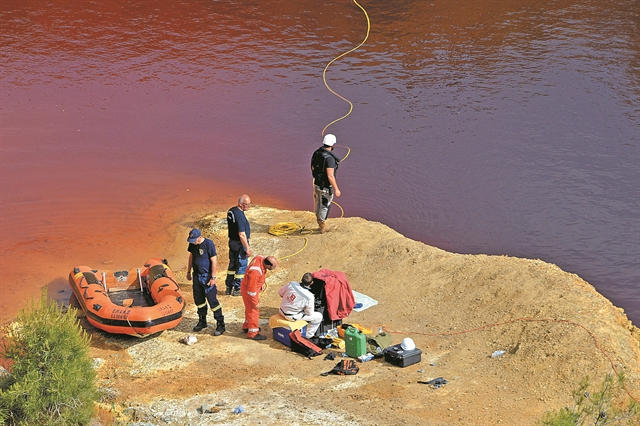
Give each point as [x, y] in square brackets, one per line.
[87, 179]
[481, 128]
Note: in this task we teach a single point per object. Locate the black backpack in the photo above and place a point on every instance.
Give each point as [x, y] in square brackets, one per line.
[318, 163]
[322, 342]
[303, 345]
[346, 367]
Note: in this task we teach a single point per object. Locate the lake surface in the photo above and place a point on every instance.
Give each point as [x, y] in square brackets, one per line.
[477, 127]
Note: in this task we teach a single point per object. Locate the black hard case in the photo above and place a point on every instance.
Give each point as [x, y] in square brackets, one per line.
[398, 356]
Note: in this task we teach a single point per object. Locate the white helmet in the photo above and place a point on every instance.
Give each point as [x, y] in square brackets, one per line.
[329, 140]
[407, 344]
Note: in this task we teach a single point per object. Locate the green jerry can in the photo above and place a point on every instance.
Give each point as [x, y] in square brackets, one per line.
[355, 342]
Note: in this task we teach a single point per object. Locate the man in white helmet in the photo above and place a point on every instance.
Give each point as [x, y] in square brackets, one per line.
[323, 167]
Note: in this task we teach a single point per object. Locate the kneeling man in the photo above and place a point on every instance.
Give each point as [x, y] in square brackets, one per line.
[298, 303]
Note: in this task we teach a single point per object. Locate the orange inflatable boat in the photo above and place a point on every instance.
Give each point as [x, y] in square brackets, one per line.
[138, 302]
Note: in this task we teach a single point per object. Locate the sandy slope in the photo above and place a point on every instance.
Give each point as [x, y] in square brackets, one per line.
[554, 327]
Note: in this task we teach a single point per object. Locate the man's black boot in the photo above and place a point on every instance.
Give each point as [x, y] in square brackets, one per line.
[236, 288]
[220, 329]
[202, 323]
[229, 283]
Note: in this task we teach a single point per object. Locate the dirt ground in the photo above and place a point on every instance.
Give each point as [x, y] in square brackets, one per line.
[459, 309]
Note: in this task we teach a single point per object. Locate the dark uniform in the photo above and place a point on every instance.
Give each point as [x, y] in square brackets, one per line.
[321, 160]
[236, 222]
[202, 292]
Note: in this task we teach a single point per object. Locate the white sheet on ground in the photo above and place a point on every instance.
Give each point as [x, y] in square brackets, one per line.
[366, 301]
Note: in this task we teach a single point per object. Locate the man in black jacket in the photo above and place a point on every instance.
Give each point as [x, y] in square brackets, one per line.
[323, 167]
[239, 232]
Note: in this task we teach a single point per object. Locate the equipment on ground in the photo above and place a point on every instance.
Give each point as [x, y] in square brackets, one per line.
[355, 342]
[346, 367]
[303, 345]
[408, 344]
[396, 355]
[333, 298]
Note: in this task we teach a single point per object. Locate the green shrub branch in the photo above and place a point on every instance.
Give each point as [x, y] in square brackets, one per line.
[52, 380]
[609, 405]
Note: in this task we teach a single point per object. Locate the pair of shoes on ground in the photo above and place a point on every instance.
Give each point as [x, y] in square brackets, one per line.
[323, 228]
[199, 326]
[220, 328]
[230, 291]
[257, 336]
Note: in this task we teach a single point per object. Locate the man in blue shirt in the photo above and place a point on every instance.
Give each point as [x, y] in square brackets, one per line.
[239, 248]
[203, 261]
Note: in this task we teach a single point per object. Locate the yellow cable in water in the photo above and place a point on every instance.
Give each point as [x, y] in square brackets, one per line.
[324, 78]
[324, 72]
[340, 207]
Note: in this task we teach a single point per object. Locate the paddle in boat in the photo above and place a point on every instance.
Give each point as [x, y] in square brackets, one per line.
[138, 302]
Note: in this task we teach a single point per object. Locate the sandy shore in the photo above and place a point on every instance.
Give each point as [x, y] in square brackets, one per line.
[553, 326]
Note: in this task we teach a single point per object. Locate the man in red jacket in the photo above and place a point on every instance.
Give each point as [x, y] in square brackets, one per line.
[251, 286]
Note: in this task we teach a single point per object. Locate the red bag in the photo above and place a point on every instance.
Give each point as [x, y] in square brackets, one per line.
[303, 345]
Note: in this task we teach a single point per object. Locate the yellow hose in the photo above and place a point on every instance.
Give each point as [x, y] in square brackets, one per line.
[324, 79]
[286, 230]
[324, 72]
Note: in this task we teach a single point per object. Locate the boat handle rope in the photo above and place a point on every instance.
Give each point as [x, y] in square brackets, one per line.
[86, 296]
[82, 278]
[174, 281]
[132, 327]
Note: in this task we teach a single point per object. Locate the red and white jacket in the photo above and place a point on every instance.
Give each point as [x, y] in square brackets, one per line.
[296, 300]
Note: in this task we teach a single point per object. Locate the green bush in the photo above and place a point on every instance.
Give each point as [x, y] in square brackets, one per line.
[52, 378]
[605, 406]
